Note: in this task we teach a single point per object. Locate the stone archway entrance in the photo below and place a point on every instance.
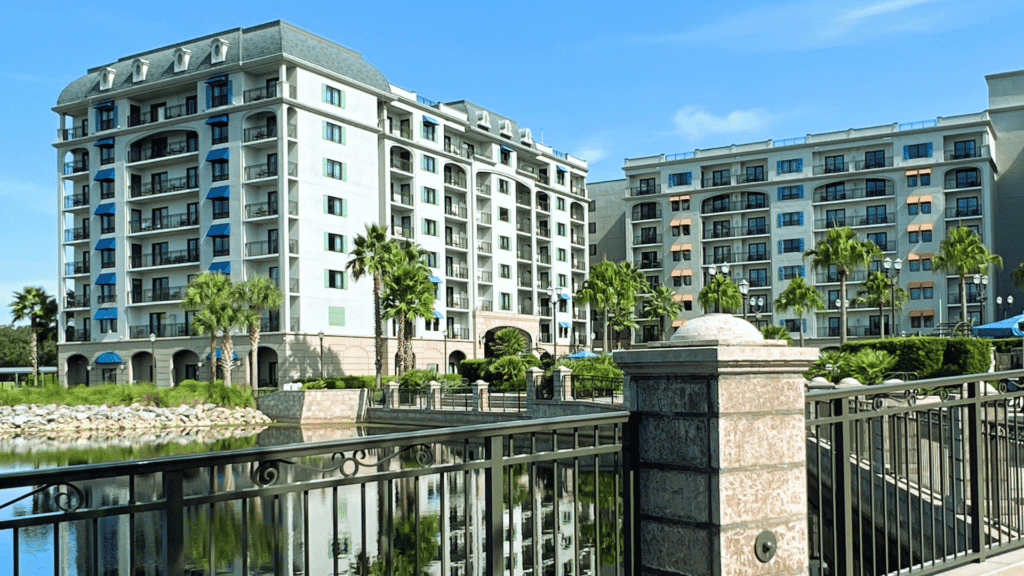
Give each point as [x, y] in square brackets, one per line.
[266, 360]
[185, 366]
[77, 370]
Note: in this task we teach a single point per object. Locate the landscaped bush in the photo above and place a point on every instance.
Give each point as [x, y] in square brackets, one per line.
[474, 369]
[507, 373]
[189, 392]
[1004, 345]
[930, 356]
[341, 382]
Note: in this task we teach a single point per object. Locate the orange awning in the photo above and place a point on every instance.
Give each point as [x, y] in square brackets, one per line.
[913, 199]
[925, 198]
[687, 272]
[911, 173]
[926, 255]
[679, 198]
[928, 313]
[687, 246]
[676, 273]
[912, 256]
[913, 227]
[678, 247]
[676, 222]
[915, 313]
[926, 227]
[925, 171]
[687, 297]
[912, 285]
[928, 284]
[677, 297]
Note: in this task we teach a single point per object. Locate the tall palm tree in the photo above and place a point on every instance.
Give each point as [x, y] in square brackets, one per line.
[878, 291]
[1017, 275]
[259, 293]
[39, 308]
[659, 304]
[962, 253]
[720, 291]
[800, 297]
[842, 251]
[372, 255]
[598, 290]
[219, 308]
[408, 295]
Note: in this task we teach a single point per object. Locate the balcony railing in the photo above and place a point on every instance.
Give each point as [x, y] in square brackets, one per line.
[887, 246]
[525, 282]
[854, 193]
[483, 247]
[455, 210]
[717, 258]
[712, 233]
[645, 214]
[577, 239]
[543, 232]
[77, 301]
[643, 190]
[755, 230]
[141, 153]
[644, 264]
[80, 267]
[74, 234]
[169, 222]
[256, 171]
[403, 231]
[159, 295]
[402, 198]
[543, 258]
[165, 258]
[525, 307]
[756, 256]
[262, 248]
[162, 331]
[75, 166]
[76, 200]
[484, 276]
[714, 182]
[458, 303]
[270, 324]
[460, 242]
[577, 190]
[837, 168]
[293, 285]
[963, 211]
[972, 297]
[483, 217]
[263, 93]
[975, 152]
[523, 199]
[80, 131]
[73, 335]
[400, 164]
[647, 239]
[871, 164]
[261, 209]
[259, 133]
[460, 272]
[578, 265]
[855, 276]
[458, 333]
[164, 186]
[456, 180]
[483, 189]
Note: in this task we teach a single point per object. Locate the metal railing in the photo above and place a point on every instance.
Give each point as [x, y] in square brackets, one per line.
[456, 210]
[647, 239]
[162, 330]
[160, 295]
[973, 152]
[151, 152]
[597, 388]
[74, 166]
[257, 133]
[77, 301]
[260, 93]
[165, 186]
[76, 200]
[639, 190]
[261, 209]
[854, 193]
[168, 222]
[963, 211]
[262, 248]
[80, 131]
[165, 258]
[915, 477]
[78, 267]
[73, 234]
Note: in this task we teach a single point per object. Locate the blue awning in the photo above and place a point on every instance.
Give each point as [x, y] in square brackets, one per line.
[429, 120]
[105, 143]
[107, 208]
[222, 267]
[218, 230]
[102, 105]
[105, 314]
[561, 168]
[215, 79]
[1005, 328]
[107, 174]
[218, 155]
[108, 278]
[563, 324]
[564, 296]
[234, 355]
[105, 244]
[218, 120]
[435, 280]
[219, 192]
[108, 358]
[438, 315]
[506, 148]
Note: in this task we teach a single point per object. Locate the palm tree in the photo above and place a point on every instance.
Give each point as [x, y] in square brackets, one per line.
[962, 253]
[799, 296]
[509, 342]
[39, 308]
[1017, 275]
[720, 291]
[372, 255]
[219, 308]
[599, 291]
[259, 293]
[659, 304]
[842, 252]
[408, 295]
[878, 291]
[612, 289]
[629, 284]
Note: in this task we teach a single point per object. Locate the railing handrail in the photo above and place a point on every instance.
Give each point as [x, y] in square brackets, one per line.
[819, 395]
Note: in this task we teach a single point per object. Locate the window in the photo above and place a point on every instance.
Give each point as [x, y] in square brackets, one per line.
[592, 227]
[560, 204]
[333, 96]
[926, 236]
[688, 304]
[428, 163]
[505, 301]
[874, 188]
[429, 227]
[915, 293]
[106, 223]
[788, 272]
[677, 281]
[687, 281]
[593, 249]
[653, 282]
[220, 171]
[336, 206]
[504, 243]
[334, 133]
[503, 186]
[880, 240]
[756, 226]
[676, 230]
[220, 93]
[926, 207]
[913, 238]
[561, 229]
[220, 208]
[791, 192]
[720, 178]
[835, 191]
[560, 177]
[107, 155]
[677, 255]
[913, 209]
[789, 166]
[756, 201]
[335, 169]
[875, 215]
[106, 189]
[429, 131]
[925, 179]
[758, 277]
[791, 219]
[219, 133]
[335, 243]
[221, 245]
[755, 173]
[504, 215]
[911, 180]
[792, 245]
[757, 251]
[914, 265]
[834, 164]
[792, 325]
[722, 254]
[108, 325]
[680, 179]
[678, 205]
[874, 159]
[107, 259]
[563, 281]
[562, 255]
[927, 293]
[912, 151]
[835, 218]
[504, 271]
[335, 279]
[429, 195]
[963, 149]
[967, 206]
[506, 157]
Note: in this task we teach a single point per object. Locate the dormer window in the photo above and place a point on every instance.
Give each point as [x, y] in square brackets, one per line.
[107, 78]
[218, 51]
[525, 138]
[139, 69]
[483, 119]
[505, 128]
[181, 58]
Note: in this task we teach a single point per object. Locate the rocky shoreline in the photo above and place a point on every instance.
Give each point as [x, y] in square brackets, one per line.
[53, 419]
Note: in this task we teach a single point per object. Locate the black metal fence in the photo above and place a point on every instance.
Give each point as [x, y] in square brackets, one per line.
[597, 388]
[919, 476]
[539, 497]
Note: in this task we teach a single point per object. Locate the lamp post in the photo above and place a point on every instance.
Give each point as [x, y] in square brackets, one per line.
[744, 289]
[712, 272]
[758, 305]
[842, 304]
[152, 356]
[981, 283]
[1004, 307]
[445, 335]
[321, 336]
[892, 272]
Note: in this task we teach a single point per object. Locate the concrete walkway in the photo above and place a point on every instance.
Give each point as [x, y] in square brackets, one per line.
[1009, 564]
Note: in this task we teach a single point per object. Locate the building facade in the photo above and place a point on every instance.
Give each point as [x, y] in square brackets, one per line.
[266, 151]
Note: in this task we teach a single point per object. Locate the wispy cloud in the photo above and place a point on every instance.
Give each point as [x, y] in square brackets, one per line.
[696, 122]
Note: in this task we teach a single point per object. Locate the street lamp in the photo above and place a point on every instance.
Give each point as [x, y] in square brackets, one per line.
[152, 353]
[981, 283]
[892, 272]
[757, 304]
[842, 304]
[321, 336]
[1002, 307]
[712, 272]
[744, 289]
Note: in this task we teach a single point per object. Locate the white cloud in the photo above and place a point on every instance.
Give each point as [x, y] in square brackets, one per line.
[696, 123]
[591, 155]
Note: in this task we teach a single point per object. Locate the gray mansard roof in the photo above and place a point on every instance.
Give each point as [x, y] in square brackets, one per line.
[244, 45]
[471, 109]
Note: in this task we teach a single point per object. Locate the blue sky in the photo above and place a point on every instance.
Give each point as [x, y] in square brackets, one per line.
[599, 82]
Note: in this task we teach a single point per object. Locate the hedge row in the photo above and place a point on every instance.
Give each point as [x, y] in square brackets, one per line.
[931, 356]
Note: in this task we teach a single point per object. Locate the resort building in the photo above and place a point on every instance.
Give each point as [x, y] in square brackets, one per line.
[266, 151]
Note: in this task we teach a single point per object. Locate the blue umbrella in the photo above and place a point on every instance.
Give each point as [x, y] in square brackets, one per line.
[581, 355]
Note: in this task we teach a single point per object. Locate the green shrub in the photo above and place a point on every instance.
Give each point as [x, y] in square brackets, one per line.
[508, 373]
[827, 366]
[931, 356]
[474, 369]
[773, 332]
[867, 365]
[1004, 345]
[190, 392]
[315, 385]
[417, 378]
[531, 361]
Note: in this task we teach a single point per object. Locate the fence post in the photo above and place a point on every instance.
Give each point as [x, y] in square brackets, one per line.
[480, 397]
[721, 450]
[977, 467]
[433, 395]
[532, 376]
[842, 488]
[392, 399]
[174, 522]
[562, 377]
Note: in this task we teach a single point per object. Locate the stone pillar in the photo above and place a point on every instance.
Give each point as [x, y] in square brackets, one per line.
[562, 381]
[532, 376]
[392, 398]
[433, 395]
[721, 451]
[481, 400]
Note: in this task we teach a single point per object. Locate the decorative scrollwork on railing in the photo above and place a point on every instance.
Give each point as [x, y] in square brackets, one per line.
[268, 471]
[67, 501]
[909, 397]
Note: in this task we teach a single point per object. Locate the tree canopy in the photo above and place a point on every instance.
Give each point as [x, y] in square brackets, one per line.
[800, 297]
[840, 254]
[961, 254]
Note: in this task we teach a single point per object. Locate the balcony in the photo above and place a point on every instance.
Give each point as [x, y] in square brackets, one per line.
[484, 189]
[400, 164]
[257, 171]
[543, 232]
[458, 303]
[543, 258]
[458, 272]
[102, 299]
[644, 264]
[543, 206]
[523, 199]
[262, 248]
[76, 166]
[263, 209]
[641, 190]
[578, 265]
[525, 282]
[170, 222]
[963, 154]
[169, 113]
[293, 285]
[887, 246]
[165, 258]
[755, 230]
[76, 200]
[457, 211]
[270, 324]
[524, 226]
[954, 298]
[160, 295]
[455, 180]
[525, 307]
[257, 94]
[405, 199]
[963, 211]
[524, 254]
[164, 186]
[577, 239]
[872, 164]
[458, 333]
[837, 168]
[875, 219]
[714, 182]
[544, 337]
[403, 231]
[483, 217]
[717, 257]
[484, 276]
[66, 134]
[544, 311]
[162, 331]
[645, 239]
[142, 153]
[483, 247]
[757, 256]
[72, 335]
[719, 207]
[460, 242]
[76, 234]
[258, 133]
[854, 193]
[77, 301]
[79, 267]
[578, 191]
[639, 214]
[713, 233]
[827, 278]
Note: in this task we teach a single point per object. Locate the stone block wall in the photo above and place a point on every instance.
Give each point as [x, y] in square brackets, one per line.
[316, 406]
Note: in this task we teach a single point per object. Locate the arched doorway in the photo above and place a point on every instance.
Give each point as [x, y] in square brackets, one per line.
[489, 340]
[77, 370]
[185, 366]
[454, 359]
[266, 361]
[143, 367]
